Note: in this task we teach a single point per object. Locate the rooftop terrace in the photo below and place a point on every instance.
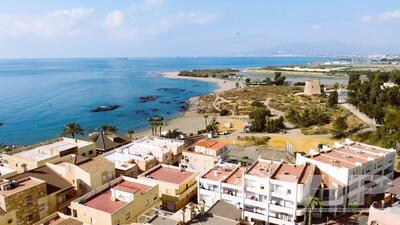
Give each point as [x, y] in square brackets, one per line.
[219, 172]
[169, 174]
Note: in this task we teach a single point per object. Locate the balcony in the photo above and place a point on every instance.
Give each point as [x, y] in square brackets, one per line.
[282, 221]
[253, 202]
[231, 198]
[258, 216]
[281, 209]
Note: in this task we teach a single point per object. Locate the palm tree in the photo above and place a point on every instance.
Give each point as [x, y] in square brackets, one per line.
[131, 132]
[205, 120]
[160, 125]
[311, 203]
[153, 127]
[72, 129]
[112, 129]
[214, 125]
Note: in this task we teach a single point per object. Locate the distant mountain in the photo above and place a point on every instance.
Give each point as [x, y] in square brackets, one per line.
[322, 49]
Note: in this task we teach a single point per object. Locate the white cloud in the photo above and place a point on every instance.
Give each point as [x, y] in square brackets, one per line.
[316, 27]
[114, 18]
[153, 3]
[66, 22]
[385, 16]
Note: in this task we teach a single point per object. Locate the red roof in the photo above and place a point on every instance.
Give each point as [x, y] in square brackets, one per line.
[170, 174]
[132, 187]
[103, 202]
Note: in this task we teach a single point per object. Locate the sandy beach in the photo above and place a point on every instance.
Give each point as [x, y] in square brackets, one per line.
[191, 121]
[223, 85]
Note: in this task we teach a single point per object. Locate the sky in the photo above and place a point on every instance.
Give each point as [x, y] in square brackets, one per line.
[152, 28]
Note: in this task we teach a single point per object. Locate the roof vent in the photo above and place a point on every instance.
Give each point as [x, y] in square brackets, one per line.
[286, 173]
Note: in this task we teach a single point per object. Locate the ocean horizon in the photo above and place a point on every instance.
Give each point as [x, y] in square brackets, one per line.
[38, 97]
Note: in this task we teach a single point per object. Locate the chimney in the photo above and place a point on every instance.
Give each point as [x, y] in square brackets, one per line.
[113, 197]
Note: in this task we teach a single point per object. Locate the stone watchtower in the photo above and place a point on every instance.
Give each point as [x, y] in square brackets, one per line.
[312, 87]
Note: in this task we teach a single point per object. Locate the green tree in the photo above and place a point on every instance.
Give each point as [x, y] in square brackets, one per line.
[311, 203]
[275, 125]
[213, 126]
[73, 129]
[258, 115]
[340, 123]
[333, 98]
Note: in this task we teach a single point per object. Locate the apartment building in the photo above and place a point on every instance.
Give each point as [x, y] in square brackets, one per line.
[203, 155]
[32, 157]
[22, 201]
[59, 192]
[358, 170]
[268, 192]
[84, 173]
[146, 153]
[177, 186]
[122, 201]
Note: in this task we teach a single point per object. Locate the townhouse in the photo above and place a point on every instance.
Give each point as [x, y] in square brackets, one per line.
[32, 157]
[203, 155]
[145, 153]
[268, 192]
[122, 201]
[177, 185]
[84, 173]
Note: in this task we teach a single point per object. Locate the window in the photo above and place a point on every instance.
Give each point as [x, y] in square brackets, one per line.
[90, 152]
[29, 217]
[155, 197]
[29, 200]
[127, 216]
[83, 154]
[41, 207]
[9, 221]
[289, 191]
[74, 214]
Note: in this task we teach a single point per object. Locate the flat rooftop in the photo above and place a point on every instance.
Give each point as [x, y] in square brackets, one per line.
[288, 173]
[103, 202]
[236, 177]
[170, 174]
[160, 142]
[126, 155]
[49, 150]
[333, 161]
[263, 168]
[215, 145]
[5, 170]
[219, 172]
[22, 185]
[370, 148]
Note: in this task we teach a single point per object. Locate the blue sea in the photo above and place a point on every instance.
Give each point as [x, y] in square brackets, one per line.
[38, 97]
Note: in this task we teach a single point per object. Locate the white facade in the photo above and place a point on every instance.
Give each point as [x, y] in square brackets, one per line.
[268, 191]
[360, 168]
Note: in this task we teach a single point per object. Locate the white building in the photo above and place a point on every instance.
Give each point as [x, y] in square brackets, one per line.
[32, 157]
[146, 153]
[267, 191]
[356, 169]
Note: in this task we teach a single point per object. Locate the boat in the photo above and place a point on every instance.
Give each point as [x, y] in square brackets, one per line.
[104, 108]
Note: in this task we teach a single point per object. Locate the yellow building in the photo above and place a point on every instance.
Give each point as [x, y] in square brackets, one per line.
[59, 192]
[122, 201]
[22, 201]
[32, 157]
[84, 173]
[177, 185]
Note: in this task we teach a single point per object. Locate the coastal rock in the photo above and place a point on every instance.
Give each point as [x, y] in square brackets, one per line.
[171, 89]
[104, 108]
[165, 102]
[148, 98]
[1, 124]
[154, 110]
[156, 118]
